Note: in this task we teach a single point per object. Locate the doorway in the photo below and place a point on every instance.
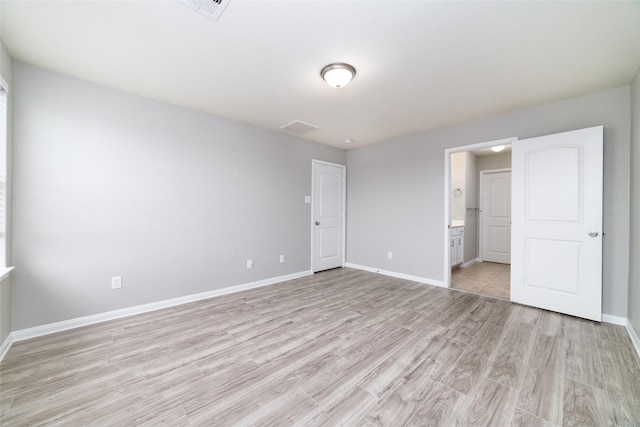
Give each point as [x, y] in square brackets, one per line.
[556, 242]
[478, 218]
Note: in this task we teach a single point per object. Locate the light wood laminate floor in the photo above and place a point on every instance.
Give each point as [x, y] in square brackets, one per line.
[343, 347]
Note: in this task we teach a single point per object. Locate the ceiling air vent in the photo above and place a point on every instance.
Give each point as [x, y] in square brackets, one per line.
[299, 127]
[211, 8]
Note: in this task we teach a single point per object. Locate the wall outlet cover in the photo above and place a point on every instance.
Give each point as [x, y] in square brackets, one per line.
[116, 282]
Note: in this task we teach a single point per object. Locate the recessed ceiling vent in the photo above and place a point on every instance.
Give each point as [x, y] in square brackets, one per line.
[299, 127]
[211, 8]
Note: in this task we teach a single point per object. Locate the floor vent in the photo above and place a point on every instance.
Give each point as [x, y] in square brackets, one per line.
[211, 8]
[299, 127]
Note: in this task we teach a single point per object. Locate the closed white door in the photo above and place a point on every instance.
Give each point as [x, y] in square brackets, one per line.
[328, 215]
[557, 223]
[496, 216]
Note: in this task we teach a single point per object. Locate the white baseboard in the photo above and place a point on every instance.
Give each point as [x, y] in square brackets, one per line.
[634, 337]
[6, 345]
[37, 331]
[469, 263]
[623, 321]
[614, 320]
[397, 275]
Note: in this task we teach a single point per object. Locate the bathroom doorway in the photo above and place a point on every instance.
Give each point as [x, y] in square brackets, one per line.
[479, 220]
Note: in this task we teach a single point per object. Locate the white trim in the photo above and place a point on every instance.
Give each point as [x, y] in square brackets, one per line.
[623, 321]
[607, 318]
[315, 162]
[409, 277]
[6, 345]
[634, 337]
[469, 263]
[78, 322]
[614, 320]
[447, 196]
[37, 331]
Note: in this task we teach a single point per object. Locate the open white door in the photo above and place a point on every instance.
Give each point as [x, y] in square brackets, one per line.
[495, 206]
[557, 223]
[328, 215]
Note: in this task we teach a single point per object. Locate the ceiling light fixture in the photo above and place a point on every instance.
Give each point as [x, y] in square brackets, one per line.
[338, 75]
[348, 141]
[497, 148]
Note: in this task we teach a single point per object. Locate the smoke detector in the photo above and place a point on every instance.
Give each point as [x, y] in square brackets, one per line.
[211, 8]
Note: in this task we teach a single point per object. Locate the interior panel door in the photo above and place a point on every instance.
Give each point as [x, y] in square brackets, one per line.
[557, 222]
[496, 217]
[328, 215]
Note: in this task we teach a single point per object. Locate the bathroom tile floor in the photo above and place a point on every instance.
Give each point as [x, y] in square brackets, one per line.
[484, 278]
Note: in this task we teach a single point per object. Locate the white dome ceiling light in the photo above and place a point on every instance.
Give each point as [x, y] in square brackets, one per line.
[338, 75]
[497, 148]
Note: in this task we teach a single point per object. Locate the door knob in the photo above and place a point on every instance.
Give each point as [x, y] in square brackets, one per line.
[317, 223]
[593, 234]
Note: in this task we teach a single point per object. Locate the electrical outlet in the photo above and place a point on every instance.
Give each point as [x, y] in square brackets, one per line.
[389, 255]
[249, 264]
[116, 282]
[281, 259]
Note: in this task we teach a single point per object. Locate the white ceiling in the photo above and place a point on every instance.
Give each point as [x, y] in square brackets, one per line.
[420, 64]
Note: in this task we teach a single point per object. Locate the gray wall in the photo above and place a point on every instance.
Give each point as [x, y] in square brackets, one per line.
[174, 200]
[634, 252]
[395, 188]
[494, 161]
[6, 71]
[458, 182]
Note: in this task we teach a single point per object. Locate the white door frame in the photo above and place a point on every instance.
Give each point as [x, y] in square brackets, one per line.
[481, 217]
[447, 196]
[315, 162]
